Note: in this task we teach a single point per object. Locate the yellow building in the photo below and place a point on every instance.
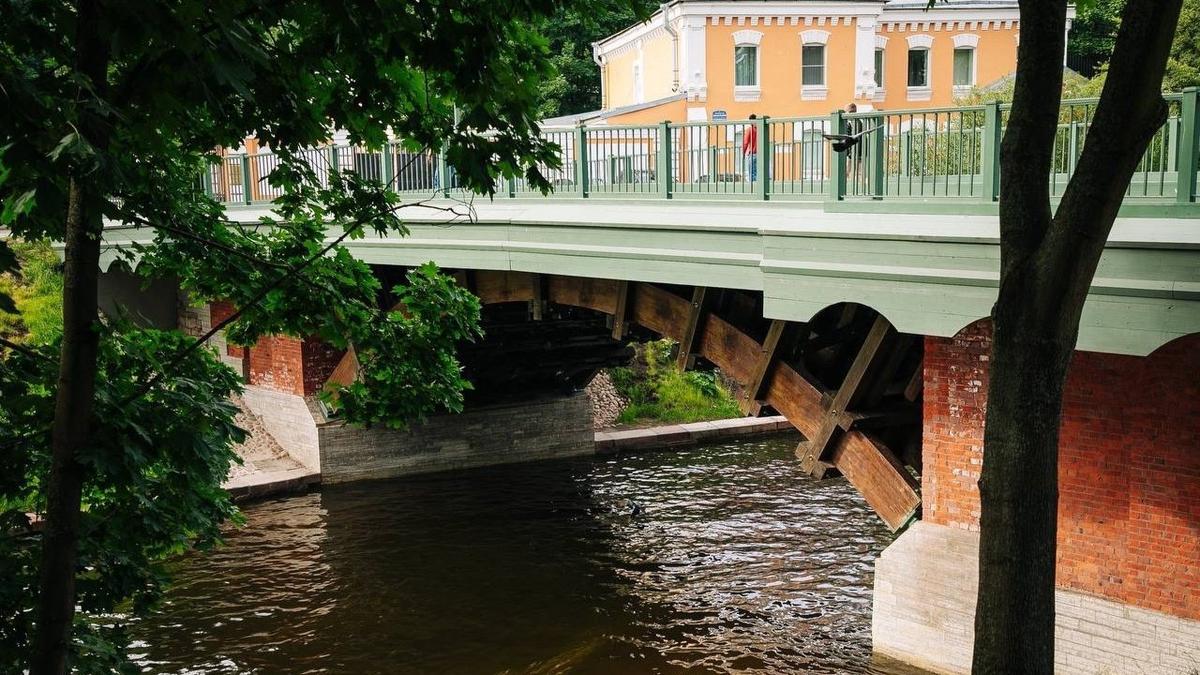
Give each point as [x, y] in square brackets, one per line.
[715, 60]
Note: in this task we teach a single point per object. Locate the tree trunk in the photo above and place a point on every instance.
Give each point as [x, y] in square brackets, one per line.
[1047, 266]
[76, 376]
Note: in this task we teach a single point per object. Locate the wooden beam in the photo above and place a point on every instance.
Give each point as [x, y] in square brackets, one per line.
[897, 352]
[621, 314]
[537, 306]
[815, 450]
[915, 383]
[687, 343]
[752, 394]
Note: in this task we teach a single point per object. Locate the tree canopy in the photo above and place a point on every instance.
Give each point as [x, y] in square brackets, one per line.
[109, 112]
[575, 85]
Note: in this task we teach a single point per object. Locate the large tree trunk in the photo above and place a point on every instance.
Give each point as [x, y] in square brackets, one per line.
[1047, 266]
[76, 376]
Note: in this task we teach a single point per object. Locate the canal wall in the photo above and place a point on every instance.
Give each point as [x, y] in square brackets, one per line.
[545, 428]
[1129, 514]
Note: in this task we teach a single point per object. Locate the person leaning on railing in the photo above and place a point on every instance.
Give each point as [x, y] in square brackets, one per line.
[854, 163]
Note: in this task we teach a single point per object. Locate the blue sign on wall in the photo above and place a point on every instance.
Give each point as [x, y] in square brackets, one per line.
[720, 116]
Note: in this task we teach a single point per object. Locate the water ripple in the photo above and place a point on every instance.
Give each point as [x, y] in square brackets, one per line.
[735, 562]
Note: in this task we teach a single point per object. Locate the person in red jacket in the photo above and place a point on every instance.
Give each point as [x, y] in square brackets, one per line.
[750, 148]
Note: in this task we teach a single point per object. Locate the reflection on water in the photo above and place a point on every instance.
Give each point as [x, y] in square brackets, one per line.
[733, 562]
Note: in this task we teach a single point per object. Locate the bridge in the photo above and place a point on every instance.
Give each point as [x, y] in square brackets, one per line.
[850, 293]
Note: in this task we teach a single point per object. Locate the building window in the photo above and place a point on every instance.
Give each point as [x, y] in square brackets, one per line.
[918, 67]
[745, 66]
[964, 67]
[879, 68]
[813, 65]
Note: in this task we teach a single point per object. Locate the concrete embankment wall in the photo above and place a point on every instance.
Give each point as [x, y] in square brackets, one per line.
[1128, 518]
[517, 432]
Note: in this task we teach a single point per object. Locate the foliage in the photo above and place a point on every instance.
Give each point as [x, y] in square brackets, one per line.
[1094, 30]
[575, 86]
[153, 483]
[36, 290]
[112, 110]
[658, 391]
[1094, 33]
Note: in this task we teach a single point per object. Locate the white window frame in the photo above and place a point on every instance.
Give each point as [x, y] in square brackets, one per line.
[639, 85]
[748, 38]
[815, 92]
[966, 41]
[925, 93]
[881, 89]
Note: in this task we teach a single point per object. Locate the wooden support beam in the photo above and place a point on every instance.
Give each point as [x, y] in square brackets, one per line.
[814, 451]
[915, 383]
[687, 343]
[897, 352]
[751, 397]
[537, 306]
[621, 313]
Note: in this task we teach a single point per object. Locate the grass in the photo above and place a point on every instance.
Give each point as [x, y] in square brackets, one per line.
[37, 293]
[658, 392]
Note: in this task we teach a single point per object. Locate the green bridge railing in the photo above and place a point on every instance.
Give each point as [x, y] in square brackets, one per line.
[947, 155]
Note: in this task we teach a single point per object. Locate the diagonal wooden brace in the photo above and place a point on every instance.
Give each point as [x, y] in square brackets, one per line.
[751, 401]
[814, 451]
[691, 330]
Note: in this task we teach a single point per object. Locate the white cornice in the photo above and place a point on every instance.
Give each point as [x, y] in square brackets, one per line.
[774, 12]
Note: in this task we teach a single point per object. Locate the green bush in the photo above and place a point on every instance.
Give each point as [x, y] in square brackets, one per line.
[658, 391]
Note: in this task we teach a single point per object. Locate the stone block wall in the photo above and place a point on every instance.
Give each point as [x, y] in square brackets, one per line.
[924, 614]
[289, 420]
[501, 434]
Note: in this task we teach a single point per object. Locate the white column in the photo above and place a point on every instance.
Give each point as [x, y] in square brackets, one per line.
[864, 57]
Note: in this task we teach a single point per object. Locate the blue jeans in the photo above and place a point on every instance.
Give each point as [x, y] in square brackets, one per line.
[752, 166]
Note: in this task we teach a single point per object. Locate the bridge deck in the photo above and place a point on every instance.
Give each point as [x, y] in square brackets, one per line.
[928, 274]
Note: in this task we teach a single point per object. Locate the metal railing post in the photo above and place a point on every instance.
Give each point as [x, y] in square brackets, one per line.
[247, 184]
[763, 158]
[837, 163]
[333, 162]
[989, 168]
[1188, 155]
[581, 166]
[389, 168]
[443, 172]
[663, 168]
[878, 154]
[206, 182]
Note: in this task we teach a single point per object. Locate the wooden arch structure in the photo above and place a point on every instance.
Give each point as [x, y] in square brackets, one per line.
[845, 425]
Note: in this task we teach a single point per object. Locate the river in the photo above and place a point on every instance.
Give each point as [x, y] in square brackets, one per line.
[721, 559]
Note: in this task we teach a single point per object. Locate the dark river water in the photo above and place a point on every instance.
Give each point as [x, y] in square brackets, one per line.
[734, 562]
